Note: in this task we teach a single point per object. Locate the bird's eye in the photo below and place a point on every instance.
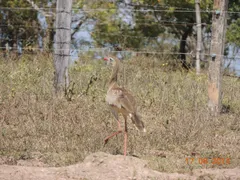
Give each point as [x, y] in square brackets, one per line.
[111, 59]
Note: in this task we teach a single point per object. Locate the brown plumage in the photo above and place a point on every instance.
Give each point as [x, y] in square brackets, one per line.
[122, 102]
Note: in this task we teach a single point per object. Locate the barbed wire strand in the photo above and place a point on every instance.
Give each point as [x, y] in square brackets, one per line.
[127, 9]
[93, 9]
[170, 23]
[99, 57]
[110, 34]
[124, 51]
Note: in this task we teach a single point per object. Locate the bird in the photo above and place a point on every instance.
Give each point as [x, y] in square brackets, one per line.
[121, 101]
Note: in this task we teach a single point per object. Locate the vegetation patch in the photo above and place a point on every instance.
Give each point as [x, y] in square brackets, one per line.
[172, 103]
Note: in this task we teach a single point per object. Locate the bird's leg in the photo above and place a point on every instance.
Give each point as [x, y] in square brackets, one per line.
[119, 126]
[125, 137]
[114, 134]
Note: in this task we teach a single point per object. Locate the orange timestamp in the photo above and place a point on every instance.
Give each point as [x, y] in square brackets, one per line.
[214, 161]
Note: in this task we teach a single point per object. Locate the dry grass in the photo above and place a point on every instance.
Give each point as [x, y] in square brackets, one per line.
[33, 124]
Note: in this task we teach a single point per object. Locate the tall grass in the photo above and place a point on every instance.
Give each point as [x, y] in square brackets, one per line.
[173, 105]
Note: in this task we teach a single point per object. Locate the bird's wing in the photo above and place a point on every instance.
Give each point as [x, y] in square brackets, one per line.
[114, 112]
[121, 98]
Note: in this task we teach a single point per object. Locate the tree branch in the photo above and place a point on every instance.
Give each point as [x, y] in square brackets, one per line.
[39, 10]
[78, 26]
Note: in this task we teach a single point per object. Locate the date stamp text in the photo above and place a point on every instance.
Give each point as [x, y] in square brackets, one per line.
[213, 161]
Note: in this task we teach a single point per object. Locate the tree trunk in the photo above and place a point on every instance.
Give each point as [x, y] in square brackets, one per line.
[199, 35]
[62, 45]
[182, 49]
[217, 52]
[49, 38]
[50, 32]
[14, 53]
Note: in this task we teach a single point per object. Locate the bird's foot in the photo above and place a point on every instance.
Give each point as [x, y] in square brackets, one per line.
[105, 141]
[114, 134]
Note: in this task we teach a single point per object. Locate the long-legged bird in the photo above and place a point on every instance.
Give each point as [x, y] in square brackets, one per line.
[122, 102]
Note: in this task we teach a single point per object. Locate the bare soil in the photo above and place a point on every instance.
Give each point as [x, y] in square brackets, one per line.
[102, 166]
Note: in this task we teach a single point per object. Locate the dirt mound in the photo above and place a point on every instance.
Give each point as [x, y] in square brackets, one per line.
[99, 166]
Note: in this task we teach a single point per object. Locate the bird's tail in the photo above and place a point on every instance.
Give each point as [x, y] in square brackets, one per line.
[136, 120]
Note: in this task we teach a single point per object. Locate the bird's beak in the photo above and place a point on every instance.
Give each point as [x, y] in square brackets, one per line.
[105, 59]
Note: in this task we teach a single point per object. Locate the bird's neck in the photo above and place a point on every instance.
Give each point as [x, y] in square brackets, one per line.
[113, 78]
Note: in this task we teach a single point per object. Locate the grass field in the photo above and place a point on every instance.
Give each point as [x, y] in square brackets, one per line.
[173, 105]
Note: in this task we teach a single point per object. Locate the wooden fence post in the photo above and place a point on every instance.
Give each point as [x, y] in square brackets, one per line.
[199, 35]
[62, 45]
[217, 51]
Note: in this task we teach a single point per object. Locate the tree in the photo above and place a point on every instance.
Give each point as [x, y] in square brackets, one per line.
[20, 26]
[48, 34]
[150, 20]
[233, 32]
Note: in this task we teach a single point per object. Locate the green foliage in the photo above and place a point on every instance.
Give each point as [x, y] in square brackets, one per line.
[233, 33]
[106, 21]
[19, 24]
[234, 7]
[111, 29]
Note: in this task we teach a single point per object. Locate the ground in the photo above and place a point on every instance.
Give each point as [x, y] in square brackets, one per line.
[99, 166]
[46, 137]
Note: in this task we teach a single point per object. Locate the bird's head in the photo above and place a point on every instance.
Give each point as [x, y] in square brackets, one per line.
[110, 60]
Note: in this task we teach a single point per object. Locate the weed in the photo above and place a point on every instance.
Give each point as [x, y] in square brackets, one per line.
[173, 105]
